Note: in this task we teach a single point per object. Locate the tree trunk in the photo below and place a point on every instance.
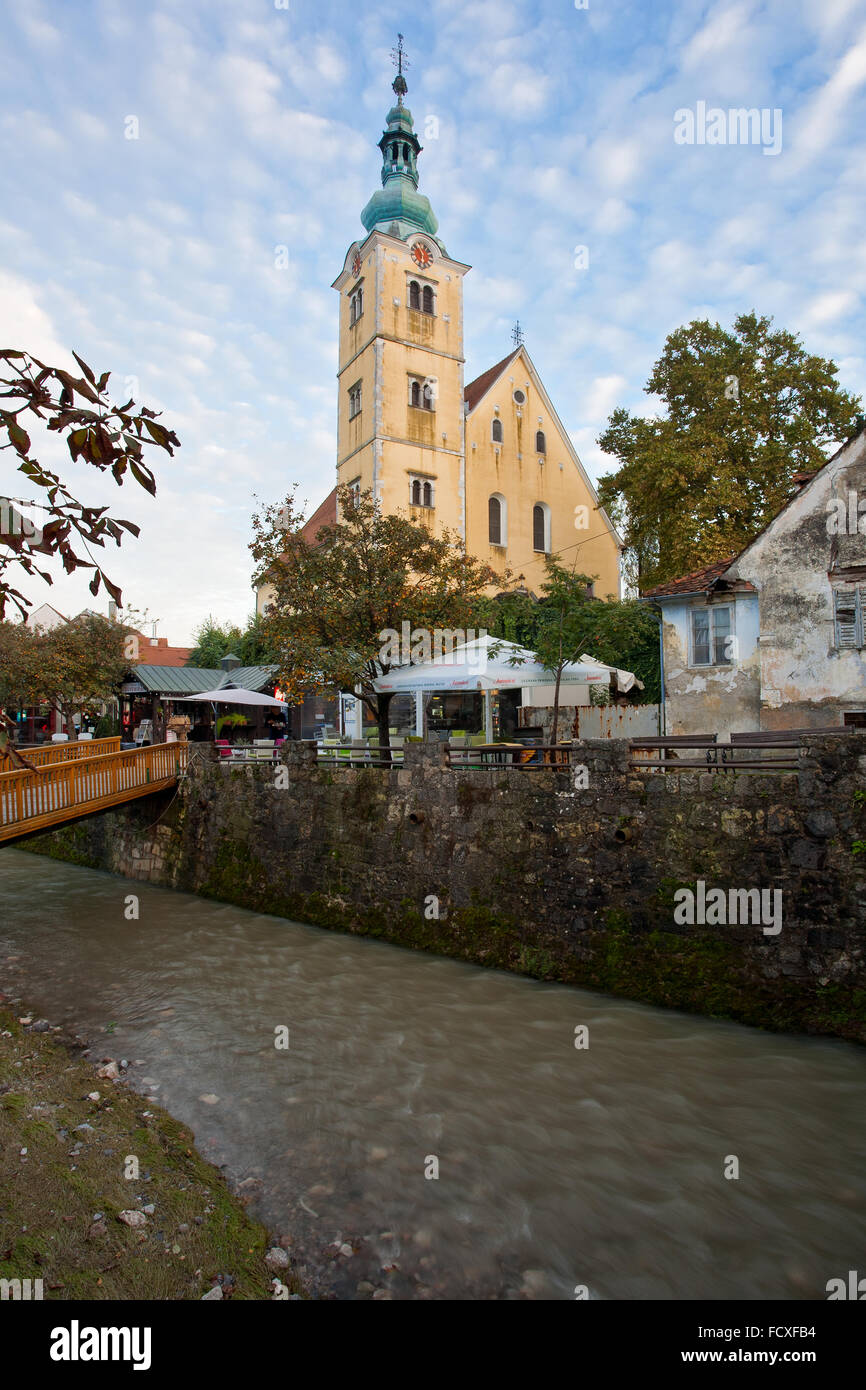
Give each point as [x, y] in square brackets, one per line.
[553, 735]
[382, 717]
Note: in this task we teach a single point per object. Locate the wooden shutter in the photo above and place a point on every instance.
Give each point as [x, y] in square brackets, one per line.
[846, 613]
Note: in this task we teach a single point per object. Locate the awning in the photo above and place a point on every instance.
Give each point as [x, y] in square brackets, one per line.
[488, 664]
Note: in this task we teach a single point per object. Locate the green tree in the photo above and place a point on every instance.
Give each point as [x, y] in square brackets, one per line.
[569, 622]
[214, 640]
[745, 410]
[18, 684]
[338, 604]
[80, 663]
[108, 438]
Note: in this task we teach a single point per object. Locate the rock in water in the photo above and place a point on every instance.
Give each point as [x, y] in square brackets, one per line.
[276, 1259]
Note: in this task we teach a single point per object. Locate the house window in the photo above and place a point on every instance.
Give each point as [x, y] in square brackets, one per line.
[711, 636]
[540, 443]
[356, 307]
[497, 513]
[496, 432]
[422, 493]
[848, 610]
[541, 528]
[414, 295]
[354, 400]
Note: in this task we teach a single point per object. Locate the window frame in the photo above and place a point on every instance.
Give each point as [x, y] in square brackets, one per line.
[548, 539]
[356, 305]
[857, 606]
[425, 487]
[711, 609]
[502, 503]
[356, 402]
[494, 424]
[426, 400]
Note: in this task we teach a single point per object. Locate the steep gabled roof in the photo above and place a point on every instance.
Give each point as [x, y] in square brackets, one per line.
[325, 515]
[482, 384]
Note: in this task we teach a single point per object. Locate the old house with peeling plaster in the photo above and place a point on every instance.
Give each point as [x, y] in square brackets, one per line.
[775, 638]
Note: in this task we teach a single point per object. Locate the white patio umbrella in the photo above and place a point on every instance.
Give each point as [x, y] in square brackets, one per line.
[232, 695]
[484, 665]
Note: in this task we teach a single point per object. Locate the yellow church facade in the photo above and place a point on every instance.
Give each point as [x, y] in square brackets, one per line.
[491, 461]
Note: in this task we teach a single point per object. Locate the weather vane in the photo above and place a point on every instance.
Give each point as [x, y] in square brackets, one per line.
[400, 62]
[517, 335]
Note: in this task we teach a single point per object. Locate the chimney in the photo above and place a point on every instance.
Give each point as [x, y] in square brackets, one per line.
[230, 663]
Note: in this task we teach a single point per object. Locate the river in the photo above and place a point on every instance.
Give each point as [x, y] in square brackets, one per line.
[558, 1168]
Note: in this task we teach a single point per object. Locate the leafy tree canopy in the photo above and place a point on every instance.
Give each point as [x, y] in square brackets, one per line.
[621, 634]
[745, 410]
[74, 665]
[214, 641]
[106, 437]
[364, 577]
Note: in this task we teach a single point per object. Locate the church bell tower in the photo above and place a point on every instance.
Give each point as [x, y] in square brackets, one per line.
[401, 412]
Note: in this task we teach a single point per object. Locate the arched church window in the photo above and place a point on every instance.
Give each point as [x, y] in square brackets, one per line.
[414, 295]
[540, 443]
[428, 300]
[496, 432]
[539, 529]
[415, 395]
[416, 493]
[428, 495]
[494, 517]
[405, 154]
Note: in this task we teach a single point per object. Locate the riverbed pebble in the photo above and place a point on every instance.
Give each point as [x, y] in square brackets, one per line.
[135, 1219]
[276, 1259]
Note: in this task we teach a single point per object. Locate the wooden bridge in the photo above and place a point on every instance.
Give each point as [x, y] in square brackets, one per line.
[71, 781]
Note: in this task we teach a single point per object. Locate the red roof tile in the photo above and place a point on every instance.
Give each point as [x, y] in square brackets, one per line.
[692, 583]
[482, 384]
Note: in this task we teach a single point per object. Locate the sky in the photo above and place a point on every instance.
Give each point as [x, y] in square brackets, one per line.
[553, 158]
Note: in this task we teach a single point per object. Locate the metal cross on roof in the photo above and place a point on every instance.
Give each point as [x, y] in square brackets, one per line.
[517, 335]
[398, 55]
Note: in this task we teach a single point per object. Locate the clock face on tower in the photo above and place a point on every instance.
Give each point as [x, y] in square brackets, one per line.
[356, 265]
[421, 256]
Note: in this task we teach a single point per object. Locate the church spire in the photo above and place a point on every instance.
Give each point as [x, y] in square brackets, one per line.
[399, 208]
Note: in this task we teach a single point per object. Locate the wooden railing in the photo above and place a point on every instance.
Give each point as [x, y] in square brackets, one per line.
[50, 796]
[51, 753]
[774, 751]
[707, 755]
[526, 757]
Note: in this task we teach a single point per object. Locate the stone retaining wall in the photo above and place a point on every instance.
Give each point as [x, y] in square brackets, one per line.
[533, 872]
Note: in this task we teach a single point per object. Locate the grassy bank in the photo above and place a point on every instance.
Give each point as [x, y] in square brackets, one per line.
[63, 1187]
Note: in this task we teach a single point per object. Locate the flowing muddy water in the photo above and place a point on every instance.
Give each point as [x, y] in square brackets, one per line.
[557, 1167]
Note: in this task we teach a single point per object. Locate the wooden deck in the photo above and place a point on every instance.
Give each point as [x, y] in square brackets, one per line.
[68, 790]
